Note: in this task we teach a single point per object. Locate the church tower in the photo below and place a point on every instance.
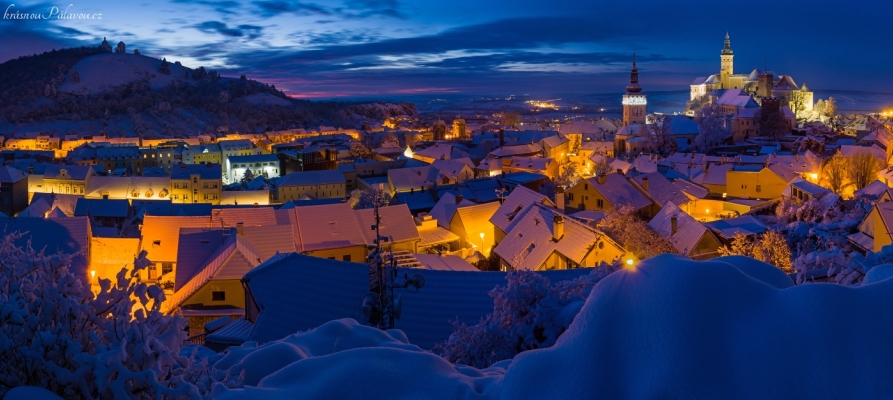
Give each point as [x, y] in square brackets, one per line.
[634, 102]
[726, 63]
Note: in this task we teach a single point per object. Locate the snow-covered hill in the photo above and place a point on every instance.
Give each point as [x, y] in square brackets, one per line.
[731, 328]
[102, 72]
[265, 99]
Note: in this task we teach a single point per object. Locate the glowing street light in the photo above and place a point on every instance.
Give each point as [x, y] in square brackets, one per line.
[482, 243]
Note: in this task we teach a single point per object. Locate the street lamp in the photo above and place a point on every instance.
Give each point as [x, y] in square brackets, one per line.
[482, 242]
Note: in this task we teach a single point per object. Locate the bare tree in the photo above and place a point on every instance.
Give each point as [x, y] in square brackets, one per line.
[770, 247]
[602, 168]
[511, 118]
[634, 234]
[834, 173]
[360, 151]
[659, 133]
[712, 126]
[862, 168]
[695, 105]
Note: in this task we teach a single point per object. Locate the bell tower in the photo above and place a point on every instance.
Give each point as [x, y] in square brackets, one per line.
[634, 101]
[726, 63]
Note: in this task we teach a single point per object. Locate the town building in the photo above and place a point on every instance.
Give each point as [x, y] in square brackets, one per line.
[196, 183]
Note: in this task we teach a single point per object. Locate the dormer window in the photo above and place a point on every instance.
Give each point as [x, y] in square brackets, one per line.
[135, 193]
[150, 193]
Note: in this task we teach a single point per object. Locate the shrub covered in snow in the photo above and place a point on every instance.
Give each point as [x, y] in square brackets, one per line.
[55, 334]
[529, 312]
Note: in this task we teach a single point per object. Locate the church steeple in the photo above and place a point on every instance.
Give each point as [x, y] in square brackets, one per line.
[727, 45]
[634, 78]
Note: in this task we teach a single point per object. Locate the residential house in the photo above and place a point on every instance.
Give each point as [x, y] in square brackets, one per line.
[115, 157]
[332, 231]
[240, 147]
[606, 193]
[329, 184]
[756, 181]
[13, 191]
[659, 190]
[508, 212]
[397, 227]
[105, 213]
[266, 165]
[198, 183]
[473, 227]
[545, 239]
[688, 236]
[538, 165]
[202, 154]
[874, 232]
[67, 179]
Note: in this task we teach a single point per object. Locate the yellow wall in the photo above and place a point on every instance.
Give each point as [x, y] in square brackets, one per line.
[583, 196]
[881, 235]
[182, 191]
[471, 235]
[706, 247]
[327, 191]
[235, 294]
[63, 186]
[356, 253]
[212, 157]
[745, 184]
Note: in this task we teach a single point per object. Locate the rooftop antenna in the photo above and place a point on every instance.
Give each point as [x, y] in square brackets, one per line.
[379, 305]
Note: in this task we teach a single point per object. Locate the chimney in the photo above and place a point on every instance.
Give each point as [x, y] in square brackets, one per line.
[602, 179]
[645, 183]
[559, 199]
[673, 225]
[501, 137]
[458, 198]
[558, 228]
[240, 228]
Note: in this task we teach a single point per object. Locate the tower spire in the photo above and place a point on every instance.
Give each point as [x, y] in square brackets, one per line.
[634, 78]
[727, 45]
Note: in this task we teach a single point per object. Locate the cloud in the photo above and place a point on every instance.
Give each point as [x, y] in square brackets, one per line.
[222, 7]
[249, 31]
[352, 9]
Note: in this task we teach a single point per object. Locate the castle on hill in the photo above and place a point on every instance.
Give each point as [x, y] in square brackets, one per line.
[756, 84]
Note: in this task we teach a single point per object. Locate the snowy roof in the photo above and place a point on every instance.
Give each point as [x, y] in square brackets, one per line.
[645, 163]
[405, 179]
[746, 225]
[785, 82]
[256, 158]
[619, 192]
[688, 230]
[228, 261]
[477, 217]
[441, 151]
[446, 207]
[160, 235]
[420, 200]
[580, 126]
[874, 190]
[311, 178]
[10, 174]
[205, 171]
[530, 241]
[850, 151]
[75, 172]
[715, 175]
[737, 98]
[532, 163]
[660, 190]
[514, 203]
[68, 235]
[327, 227]
[444, 263]
[117, 208]
[288, 289]
[554, 141]
[805, 186]
[436, 235]
[247, 197]
[517, 150]
[230, 145]
[249, 216]
[397, 224]
[691, 189]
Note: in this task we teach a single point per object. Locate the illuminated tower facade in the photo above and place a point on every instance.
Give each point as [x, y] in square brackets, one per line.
[634, 101]
[726, 64]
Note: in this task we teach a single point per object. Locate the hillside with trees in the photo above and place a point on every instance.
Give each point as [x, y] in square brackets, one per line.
[87, 91]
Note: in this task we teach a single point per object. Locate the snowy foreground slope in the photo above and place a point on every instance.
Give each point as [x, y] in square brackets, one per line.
[670, 328]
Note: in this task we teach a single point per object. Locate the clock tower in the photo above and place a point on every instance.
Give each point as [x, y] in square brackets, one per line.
[726, 63]
[634, 101]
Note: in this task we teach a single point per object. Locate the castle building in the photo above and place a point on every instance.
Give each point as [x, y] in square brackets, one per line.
[756, 84]
[634, 101]
[122, 48]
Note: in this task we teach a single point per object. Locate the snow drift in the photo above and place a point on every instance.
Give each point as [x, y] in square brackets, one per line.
[669, 328]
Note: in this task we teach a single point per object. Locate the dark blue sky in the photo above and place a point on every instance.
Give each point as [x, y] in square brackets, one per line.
[386, 47]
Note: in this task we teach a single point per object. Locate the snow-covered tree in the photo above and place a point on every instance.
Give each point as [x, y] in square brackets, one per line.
[798, 105]
[569, 176]
[368, 198]
[529, 312]
[56, 334]
[75, 77]
[359, 151]
[248, 176]
[862, 168]
[834, 173]
[770, 247]
[634, 234]
[711, 122]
